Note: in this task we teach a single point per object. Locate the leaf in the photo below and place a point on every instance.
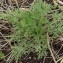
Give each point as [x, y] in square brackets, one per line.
[1, 54]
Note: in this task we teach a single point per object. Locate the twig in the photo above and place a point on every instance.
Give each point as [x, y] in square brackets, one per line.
[3, 45]
[59, 49]
[50, 49]
[5, 40]
[59, 59]
[16, 3]
[60, 2]
[48, 57]
[44, 59]
[60, 54]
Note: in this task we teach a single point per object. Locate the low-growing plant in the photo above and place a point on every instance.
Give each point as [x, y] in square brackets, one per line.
[30, 28]
[1, 55]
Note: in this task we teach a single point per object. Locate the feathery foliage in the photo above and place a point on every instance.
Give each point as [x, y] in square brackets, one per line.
[30, 28]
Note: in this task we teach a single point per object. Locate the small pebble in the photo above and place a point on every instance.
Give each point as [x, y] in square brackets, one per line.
[29, 57]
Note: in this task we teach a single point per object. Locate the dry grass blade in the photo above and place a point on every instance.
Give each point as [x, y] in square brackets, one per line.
[48, 39]
[52, 54]
[8, 42]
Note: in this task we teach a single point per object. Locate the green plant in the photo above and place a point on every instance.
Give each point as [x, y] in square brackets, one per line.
[30, 28]
[56, 26]
[1, 54]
